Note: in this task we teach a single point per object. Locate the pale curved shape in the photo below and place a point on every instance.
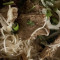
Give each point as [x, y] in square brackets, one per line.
[43, 2]
[5, 41]
[40, 27]
[9, 47]
[46, 32]
[10, 16]
[50, 26]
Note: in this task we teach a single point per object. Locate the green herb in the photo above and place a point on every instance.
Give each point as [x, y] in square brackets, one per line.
[31, 8]
[54, 21]
[15, 27]
[45, 40]
[55, 9]
[8, 3]
[48, 14]
[30, 23]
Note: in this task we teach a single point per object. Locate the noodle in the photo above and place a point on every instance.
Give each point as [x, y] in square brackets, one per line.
[50, 26]
[40, 27]
[10, 43]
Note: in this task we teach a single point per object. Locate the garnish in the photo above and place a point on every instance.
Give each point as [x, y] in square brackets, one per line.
[45, 40]
[8, 3]
[55, 9]
[31, 8]
[31, 23]
[15, 27]
[54, 21]
[48, 14]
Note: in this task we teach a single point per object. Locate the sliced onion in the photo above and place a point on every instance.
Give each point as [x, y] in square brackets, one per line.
[50, 26]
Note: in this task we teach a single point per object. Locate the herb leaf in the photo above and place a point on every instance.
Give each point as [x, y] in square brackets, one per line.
[31, 8]
[54, 21]
[8, 3]
[30, 23]
[15, 27]
[48, 14]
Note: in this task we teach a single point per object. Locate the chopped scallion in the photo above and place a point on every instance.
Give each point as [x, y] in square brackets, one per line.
[54, 21]
[15, 27]
[31, 8]
[8, 3]
[48, 14]
[29, 22]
